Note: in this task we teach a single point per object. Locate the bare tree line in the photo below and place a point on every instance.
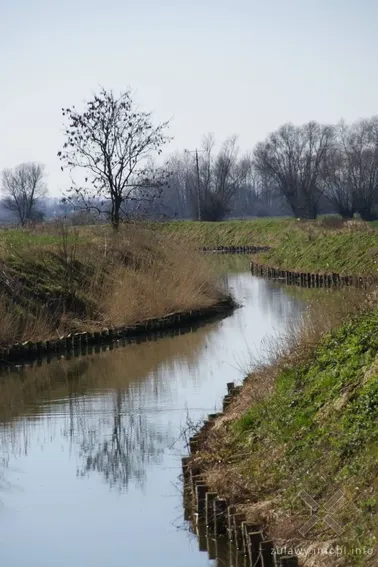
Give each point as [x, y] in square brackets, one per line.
[300, 170]
[113, 148]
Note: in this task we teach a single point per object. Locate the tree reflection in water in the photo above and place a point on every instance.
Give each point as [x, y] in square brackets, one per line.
[122, 445]
[107, 406]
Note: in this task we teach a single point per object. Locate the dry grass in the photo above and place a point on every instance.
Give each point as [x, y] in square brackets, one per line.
[56, 279]
[162, 277]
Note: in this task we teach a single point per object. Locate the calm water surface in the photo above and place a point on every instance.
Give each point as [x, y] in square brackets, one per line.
[90, 447]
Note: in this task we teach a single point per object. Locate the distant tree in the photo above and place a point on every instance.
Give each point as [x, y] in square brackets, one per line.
[207, 187]
[23, 188]
[339, 188]
[293, 158]
[224, 176]
[360, 147]
[113, 143]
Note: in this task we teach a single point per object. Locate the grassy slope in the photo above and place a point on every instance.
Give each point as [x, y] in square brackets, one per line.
[231, 233]
[54, 279]
[317, 431]
[325, 245]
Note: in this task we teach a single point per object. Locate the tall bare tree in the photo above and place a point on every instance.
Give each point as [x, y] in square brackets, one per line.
[360, 146]
[293, 158]
[337, 183]
[23, 188]
[228, 175]
[206, 188]
[114, 144]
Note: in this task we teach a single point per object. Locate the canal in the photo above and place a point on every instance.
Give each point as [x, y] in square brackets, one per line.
[90, 447]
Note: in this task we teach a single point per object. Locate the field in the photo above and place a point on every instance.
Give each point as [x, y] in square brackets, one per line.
[324, 245]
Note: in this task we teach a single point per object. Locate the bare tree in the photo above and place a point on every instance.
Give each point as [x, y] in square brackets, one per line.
[176, 200]
[23, 188]
[336, 178]
[210, 189]
[225, 178]
[114, 144]
[360, 148]
[293, 158]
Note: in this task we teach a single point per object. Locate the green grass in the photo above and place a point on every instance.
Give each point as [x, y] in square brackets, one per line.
[354, 253]
[319, 432]
[324, 245]
[232, 233]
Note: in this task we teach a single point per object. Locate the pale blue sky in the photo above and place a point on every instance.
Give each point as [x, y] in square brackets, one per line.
[243, 66]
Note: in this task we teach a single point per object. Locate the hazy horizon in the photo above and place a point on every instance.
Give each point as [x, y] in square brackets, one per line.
[243, 69]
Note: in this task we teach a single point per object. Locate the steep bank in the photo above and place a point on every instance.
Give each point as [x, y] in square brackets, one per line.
[306, 428]
[324, 245]
[55, 279]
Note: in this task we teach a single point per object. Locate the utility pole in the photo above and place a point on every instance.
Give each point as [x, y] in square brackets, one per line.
[198, 182]
[198, 188]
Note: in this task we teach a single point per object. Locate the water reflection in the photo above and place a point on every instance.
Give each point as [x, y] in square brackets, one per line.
[120, 446]
[104, 404]
[89, 445]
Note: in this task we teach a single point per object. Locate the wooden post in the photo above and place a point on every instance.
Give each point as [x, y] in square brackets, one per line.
[209, 513]
[194, 443]
[226, 402]
[238, 519]
[211, 548]
[68, 342]
[220, 516]
[266, 553]
[230, 521]
[201, 490]
[246, 529]
[253, 543]
[230, 387]
[195, 479]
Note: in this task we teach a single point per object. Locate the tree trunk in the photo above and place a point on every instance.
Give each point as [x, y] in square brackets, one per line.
[115, 214]
[346, 213]
[367, 214]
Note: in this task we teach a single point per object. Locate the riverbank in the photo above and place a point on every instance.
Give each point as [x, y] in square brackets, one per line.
[304, 430]
[56, 281]
[325, 245]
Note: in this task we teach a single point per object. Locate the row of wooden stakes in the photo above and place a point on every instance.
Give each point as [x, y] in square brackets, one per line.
[308, 279]
[222, 518]
[235, 249]
[29, 350]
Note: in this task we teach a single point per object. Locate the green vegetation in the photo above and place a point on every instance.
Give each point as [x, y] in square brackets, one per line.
[263, 232]
[325, 245]
[316, 431]
[350, 253]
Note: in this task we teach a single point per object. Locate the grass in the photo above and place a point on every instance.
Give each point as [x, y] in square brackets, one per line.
[56, 279]
[325, 245]
[231, 233]
[308, 422]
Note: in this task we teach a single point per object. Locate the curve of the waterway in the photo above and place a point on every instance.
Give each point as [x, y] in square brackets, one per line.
[90, 447]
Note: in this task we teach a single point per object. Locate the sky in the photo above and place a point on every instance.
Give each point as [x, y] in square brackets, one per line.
[239, 67]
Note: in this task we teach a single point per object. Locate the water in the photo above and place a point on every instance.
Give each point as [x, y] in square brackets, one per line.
[90, 447]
